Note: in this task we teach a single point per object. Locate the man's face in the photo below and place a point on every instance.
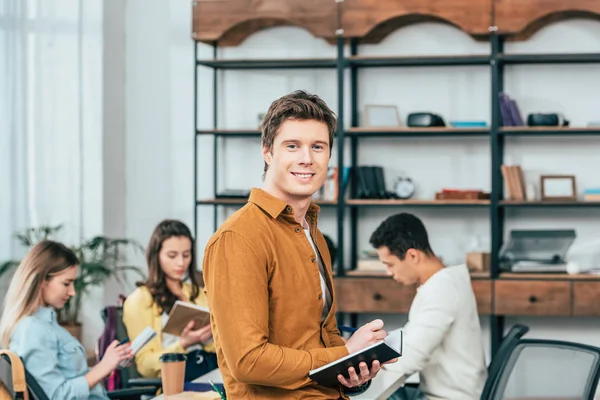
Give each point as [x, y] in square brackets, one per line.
[403, 271]
[299, 158]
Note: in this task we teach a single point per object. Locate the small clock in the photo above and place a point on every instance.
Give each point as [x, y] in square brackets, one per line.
[404, 188]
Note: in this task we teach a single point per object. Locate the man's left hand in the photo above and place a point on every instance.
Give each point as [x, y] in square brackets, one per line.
[365, 375]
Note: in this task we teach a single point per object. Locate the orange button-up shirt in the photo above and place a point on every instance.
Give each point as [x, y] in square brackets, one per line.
[263, 288]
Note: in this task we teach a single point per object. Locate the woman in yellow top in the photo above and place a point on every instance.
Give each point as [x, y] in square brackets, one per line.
[172, 276]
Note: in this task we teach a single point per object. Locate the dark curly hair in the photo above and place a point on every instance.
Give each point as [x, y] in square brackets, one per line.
[156, 281]
[401, 232]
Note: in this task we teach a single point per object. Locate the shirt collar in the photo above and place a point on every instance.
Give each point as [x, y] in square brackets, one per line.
[275, 206]
[46, 313]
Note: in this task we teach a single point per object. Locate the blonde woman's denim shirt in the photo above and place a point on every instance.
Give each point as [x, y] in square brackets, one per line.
[53, 357]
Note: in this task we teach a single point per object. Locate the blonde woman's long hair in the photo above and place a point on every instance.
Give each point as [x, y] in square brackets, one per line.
[24, 296]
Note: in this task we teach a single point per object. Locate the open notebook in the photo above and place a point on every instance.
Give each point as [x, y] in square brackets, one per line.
[182, 313]
[381, 351]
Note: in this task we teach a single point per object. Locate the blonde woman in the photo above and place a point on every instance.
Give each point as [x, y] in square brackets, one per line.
[42, 284]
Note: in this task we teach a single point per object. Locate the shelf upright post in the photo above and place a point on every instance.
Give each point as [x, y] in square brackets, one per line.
[353, 155]
[340, 151]
[215, 137]
[195, 228]
[497, 158]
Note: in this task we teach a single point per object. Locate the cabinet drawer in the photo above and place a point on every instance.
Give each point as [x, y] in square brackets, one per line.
[483, 295]
[586, 298]
[532, 298]
[373, 295]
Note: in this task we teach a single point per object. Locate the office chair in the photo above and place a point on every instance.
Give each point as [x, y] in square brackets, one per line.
[548, 369]
[36, 392]
[509, 342]
[130, 377]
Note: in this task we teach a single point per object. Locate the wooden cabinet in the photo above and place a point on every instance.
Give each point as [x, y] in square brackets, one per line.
[384, 295]
[532, 298]
[511, 295]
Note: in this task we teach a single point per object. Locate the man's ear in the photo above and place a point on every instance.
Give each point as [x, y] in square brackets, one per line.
[266, 152]
[412, 256]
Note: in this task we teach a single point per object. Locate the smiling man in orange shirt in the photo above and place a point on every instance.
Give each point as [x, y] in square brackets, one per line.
[268, 271]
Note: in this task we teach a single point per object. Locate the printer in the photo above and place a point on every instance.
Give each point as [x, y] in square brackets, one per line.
[536, 251]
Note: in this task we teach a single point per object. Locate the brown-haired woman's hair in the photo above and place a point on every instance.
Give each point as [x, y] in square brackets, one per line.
[298, 105]
[157, 280]
[24, 296]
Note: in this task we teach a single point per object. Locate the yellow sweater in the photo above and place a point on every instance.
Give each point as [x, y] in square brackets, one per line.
[140, 311]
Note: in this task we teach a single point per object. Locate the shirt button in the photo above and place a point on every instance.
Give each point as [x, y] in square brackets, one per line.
[289, 209]
[297, 229]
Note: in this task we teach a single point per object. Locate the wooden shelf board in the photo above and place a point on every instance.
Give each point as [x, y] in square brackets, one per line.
[382, 274]
[393, 202]
[538, 203]
[237, 201]
[547, 276]
[549, 130]
[232, 132]
[401, 129]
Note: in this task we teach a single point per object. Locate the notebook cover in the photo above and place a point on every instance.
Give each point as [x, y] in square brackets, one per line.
[327, 374]
[182, 313]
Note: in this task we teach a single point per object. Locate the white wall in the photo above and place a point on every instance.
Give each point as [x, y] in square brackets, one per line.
[159, 141]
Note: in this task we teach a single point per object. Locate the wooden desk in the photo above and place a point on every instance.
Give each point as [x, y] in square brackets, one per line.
[382, 387]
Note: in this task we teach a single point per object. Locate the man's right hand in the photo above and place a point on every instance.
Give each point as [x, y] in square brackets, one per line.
[366, 335]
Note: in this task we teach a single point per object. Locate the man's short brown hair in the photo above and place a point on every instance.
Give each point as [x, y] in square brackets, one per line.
[298, 105]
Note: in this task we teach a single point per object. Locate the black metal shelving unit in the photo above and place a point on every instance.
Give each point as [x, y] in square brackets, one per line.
[495, 133]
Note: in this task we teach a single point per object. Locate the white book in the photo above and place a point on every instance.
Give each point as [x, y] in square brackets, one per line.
[140, 341]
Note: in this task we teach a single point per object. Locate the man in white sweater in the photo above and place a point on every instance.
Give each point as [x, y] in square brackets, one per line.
[442, 338]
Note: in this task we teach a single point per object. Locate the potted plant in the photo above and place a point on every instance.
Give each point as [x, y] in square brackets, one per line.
[100, 259]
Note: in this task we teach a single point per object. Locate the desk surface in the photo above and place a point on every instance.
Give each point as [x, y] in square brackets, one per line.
[382, 387]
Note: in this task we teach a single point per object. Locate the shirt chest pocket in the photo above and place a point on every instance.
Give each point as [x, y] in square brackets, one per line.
[71, 357]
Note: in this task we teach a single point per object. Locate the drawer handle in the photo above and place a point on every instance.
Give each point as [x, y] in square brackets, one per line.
[377, 297]
[532, 299]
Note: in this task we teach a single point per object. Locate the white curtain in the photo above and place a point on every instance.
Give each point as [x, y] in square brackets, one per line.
[50, 118]
[51, 113]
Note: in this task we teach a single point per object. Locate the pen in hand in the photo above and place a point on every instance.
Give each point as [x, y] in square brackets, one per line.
[348, 329]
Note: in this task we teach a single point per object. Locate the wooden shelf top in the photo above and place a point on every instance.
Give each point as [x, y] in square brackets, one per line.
[394, 202]
[383, 274]
[239, 201]
[549, 130]
[229, 132]
[548, 276]
[539, 203]
[424, 130]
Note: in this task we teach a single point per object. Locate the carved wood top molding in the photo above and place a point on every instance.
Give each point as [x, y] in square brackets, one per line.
[522, 18]
[229, 22]
[372, 20]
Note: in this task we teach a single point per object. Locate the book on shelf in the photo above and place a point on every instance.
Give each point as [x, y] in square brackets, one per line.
[182, 313]
[509, 111]
[514, 182]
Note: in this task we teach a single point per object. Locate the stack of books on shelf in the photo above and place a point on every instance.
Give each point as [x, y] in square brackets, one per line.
[509, 111]
[591, 194]
[369, 262]
[514, 182]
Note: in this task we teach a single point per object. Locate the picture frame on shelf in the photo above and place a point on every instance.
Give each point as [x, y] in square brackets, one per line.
[383, 116]
[558, 188]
